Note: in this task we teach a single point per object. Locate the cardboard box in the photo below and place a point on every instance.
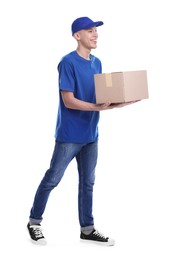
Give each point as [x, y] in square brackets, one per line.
[119, 87]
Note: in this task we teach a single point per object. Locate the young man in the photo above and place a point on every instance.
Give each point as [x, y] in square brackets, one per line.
[76, 134]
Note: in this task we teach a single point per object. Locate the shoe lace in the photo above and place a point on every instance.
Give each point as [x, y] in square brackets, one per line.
[37, 231]
[97, 233]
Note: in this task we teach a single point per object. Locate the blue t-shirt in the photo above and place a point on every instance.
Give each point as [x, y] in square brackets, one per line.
[76, 74]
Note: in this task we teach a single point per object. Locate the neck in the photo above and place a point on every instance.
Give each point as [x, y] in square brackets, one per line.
[84, 53]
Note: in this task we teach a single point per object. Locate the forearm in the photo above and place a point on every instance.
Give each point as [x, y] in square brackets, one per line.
[81, 105]
[73, 103]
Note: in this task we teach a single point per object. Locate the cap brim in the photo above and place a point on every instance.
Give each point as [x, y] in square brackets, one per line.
[94, 24]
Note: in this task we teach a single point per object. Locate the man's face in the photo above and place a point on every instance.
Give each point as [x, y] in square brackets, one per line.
[87, 38]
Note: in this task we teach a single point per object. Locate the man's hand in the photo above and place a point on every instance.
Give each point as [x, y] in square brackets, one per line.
[114, 105]
[104, 106]
[109, 105]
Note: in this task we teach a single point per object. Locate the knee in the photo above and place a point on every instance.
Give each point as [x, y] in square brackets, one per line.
[51, 179]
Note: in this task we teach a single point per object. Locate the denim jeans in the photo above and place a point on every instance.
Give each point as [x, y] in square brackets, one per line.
[86, 156]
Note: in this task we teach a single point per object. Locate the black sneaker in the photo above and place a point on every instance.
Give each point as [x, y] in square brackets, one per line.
[97, 237]
[36, 234]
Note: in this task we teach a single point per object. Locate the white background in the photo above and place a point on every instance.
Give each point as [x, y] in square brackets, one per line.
[133, 191]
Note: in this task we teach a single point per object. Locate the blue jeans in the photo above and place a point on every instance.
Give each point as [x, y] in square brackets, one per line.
[86, 156]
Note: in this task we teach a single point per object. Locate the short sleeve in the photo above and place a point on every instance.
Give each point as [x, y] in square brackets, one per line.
[66, 75]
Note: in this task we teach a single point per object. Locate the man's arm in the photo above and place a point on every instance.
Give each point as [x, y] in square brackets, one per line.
[73, 103]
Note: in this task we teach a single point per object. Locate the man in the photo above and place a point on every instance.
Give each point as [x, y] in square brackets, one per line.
[76, 134]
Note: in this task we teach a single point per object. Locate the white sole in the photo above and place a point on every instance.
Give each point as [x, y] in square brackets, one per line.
[109, 243]
[40, 242]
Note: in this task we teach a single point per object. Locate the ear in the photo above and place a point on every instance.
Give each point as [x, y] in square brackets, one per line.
[77, 36]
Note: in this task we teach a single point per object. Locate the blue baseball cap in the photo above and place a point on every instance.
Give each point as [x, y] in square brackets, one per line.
[83, 23]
